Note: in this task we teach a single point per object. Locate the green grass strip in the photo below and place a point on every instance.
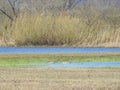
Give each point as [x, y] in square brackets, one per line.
[21, 60]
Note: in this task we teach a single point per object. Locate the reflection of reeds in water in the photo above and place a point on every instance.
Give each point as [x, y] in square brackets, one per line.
[62, 30]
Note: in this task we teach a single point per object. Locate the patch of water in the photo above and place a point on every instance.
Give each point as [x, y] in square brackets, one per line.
[76, 65]
[9, 50]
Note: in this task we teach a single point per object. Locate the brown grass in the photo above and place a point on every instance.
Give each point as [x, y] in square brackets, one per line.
[61, 30]
[59, 79]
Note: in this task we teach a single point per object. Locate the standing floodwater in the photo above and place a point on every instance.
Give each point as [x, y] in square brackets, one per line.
[75, 65]
[58, 50]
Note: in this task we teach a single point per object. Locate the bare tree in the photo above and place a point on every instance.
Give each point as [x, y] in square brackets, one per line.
[12, 7]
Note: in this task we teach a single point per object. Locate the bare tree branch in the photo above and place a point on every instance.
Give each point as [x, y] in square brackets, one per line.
[6, 14]
[13, 7]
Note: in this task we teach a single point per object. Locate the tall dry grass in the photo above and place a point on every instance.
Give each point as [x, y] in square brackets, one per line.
[63, 30]
[5, 33]
[45, 30]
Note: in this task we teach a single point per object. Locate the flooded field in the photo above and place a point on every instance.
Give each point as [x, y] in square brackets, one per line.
[59, 71]
[58, 50]
[60, 61]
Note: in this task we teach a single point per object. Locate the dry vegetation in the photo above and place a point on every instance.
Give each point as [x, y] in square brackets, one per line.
[61, 30]
[60, 25]
[60, 79]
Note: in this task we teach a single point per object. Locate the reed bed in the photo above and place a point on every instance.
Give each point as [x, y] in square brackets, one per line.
[61, 30]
